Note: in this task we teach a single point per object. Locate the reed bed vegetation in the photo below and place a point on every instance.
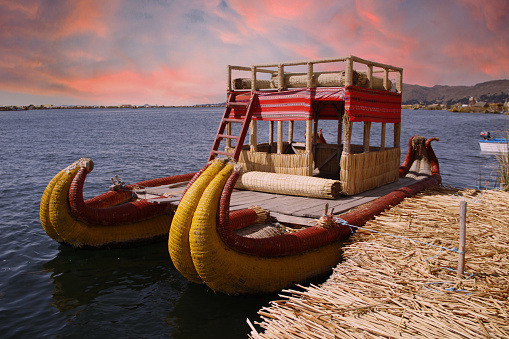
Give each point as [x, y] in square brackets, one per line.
[503, 166]
[405, 285]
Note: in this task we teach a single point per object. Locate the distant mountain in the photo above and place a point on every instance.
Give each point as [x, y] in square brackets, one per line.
[496, 91]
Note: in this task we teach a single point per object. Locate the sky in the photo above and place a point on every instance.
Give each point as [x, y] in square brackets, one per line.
[164, 52]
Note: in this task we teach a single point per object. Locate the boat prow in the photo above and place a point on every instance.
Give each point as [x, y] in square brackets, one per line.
[113, 219]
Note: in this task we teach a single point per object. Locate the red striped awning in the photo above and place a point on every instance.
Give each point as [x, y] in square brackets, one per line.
[361, 104]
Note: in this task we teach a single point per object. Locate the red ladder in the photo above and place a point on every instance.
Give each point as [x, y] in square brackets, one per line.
[244, 121]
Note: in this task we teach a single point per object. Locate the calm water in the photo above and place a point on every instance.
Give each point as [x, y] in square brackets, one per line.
[52, 290]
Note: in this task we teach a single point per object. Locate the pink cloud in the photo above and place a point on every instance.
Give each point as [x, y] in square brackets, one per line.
[166, 51]
[86, 17]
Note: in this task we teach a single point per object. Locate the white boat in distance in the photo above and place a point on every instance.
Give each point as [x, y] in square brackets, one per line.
[489, 144]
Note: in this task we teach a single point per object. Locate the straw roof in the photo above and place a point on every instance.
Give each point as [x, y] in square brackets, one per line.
[391, 287]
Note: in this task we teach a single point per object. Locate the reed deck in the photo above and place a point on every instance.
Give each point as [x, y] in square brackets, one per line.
[286, 208]
[403, 286]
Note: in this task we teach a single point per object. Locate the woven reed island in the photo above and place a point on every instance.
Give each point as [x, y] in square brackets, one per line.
[399, 278]
[262, 216]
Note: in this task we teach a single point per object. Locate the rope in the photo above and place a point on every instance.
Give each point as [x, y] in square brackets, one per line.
[454, 249]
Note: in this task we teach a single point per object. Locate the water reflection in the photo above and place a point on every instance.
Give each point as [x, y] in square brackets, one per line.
[80, 276]
[106, 291]
[201, 313]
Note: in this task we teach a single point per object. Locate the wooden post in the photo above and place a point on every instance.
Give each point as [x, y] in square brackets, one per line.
[349, 72]
[397, 134]
[399, 82]
[340, 138]
[315, 135]
[382, 137]
[367, 135]
[290, 131]
[309, 131]
[310, 75]
[281, 77]
[229, 78]
[370, 75]
[386, 79]
[347, 136]
[271, 135]
[253, 78]
[229, 132]
[253, 136]
[463, 236]
[279, 137]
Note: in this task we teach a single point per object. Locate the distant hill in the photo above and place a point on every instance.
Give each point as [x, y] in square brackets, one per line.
[496, 91]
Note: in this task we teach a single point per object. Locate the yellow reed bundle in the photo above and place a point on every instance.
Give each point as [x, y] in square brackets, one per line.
[364, 171]
[178, 240]
[44, 212]
[77, 233]
[289, 184]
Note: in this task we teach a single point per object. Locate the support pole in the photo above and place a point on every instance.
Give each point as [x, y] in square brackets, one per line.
[279, 137]
[382, 137]
[271, 135]
[367, 135]
[463, 236]
[229, 132]
[253, 142]
[347, 135]
[290, 131]
[309, 139]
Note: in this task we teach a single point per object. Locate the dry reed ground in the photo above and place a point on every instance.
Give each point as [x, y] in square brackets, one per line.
[395, 288]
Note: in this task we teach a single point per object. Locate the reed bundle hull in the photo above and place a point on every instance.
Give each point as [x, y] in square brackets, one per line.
[111, 219]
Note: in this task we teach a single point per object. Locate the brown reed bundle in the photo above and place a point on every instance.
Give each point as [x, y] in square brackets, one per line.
[392, 287]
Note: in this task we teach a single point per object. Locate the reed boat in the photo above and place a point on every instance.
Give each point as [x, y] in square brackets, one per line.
[124, 216]
[260, 217]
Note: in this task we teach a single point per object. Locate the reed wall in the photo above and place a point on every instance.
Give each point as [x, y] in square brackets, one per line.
[297, 164]
[363, 171]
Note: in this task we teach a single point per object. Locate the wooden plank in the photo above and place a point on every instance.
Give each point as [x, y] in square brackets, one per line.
[287, 208]
[173, 200]
[344, 204]
[292, 219]
[161, 190]
[253, 198]
[291, 205]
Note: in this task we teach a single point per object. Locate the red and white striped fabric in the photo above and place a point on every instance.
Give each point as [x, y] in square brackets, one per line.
[361, 104]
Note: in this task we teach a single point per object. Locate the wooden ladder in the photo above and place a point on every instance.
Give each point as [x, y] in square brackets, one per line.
[239, 139]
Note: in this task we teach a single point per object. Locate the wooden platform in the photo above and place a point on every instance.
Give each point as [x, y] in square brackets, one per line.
[286, 208]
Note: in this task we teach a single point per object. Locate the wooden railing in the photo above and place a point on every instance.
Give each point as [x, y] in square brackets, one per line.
[349, 68]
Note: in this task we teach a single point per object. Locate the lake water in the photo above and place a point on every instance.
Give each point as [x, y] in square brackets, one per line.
[53, 290]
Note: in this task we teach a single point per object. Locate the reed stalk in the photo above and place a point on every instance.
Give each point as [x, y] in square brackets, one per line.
[503, 166]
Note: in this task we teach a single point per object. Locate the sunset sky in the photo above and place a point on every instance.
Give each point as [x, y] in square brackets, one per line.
[164, 52]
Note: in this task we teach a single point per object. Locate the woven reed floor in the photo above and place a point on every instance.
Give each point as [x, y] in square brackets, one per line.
[390, 287]
[286, 208]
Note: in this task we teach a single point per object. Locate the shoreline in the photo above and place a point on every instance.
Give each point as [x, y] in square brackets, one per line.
[41, 107]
